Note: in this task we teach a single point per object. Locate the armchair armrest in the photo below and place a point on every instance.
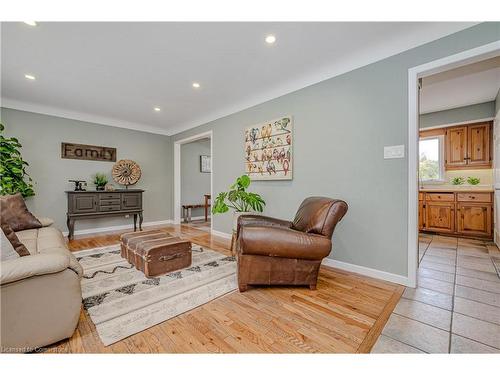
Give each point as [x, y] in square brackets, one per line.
[32, 265]
[259, 220]
[283, 242]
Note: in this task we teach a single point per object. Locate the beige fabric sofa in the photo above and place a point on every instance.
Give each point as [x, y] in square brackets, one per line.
[40, 294]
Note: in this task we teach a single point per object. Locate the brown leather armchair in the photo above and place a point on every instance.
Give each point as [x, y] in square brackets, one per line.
[279, 252]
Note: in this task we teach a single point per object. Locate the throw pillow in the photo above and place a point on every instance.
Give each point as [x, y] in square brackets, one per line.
[16, 214]
[7, 251]
[16, 244]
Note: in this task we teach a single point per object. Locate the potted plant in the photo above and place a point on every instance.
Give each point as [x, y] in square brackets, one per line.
[240, 200]
[100, 180]
[13, 176]
[473, 180]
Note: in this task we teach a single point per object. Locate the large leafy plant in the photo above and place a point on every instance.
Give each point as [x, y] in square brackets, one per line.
[238, 198]
[13, 176]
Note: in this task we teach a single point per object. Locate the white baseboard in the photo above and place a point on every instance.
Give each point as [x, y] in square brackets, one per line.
[197, 218]
[118, 227]
[221, 234]
[365, 271]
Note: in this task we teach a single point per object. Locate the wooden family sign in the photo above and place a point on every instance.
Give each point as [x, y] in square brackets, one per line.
[87, 152]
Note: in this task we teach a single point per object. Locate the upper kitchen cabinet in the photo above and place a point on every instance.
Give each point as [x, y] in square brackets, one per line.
[456, 147]
[468, 147]
[478, 145]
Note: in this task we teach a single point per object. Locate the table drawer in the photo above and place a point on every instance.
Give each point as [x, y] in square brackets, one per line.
[474, 197]
[109, 202]
[103, 196]
[109, 208]
[440, 197]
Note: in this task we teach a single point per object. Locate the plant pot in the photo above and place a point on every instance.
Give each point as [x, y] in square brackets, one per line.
[99, 188]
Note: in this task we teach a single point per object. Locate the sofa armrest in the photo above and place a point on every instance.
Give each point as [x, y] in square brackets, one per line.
[32, 265]
[283, 242]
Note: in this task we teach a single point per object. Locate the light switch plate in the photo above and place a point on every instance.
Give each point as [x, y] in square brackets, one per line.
[394, 152]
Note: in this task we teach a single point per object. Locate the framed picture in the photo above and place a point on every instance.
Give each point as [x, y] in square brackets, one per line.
[205, 164]
[268, 150]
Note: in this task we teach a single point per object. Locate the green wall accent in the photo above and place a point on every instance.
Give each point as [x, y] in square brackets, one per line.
[341, 126]
[456, 115]
[41, 137]
[194, 184]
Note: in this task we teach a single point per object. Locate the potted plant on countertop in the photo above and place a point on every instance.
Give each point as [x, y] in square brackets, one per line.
[473, 180]
[100, 180]
[240, 200]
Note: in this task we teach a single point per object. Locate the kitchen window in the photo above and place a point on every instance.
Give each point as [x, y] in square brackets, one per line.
[431, 159]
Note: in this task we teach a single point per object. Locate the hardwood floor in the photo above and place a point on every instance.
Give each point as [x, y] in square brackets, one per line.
[344, 315]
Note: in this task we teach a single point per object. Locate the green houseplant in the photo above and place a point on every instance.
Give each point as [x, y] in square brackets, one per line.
[238, 199]
[473, 180]
[100, 180]
[13, 176]
[457, 181]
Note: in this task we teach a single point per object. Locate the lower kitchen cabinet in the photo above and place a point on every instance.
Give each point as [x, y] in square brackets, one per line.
[440, 216]
[459, 213]
[474, 219]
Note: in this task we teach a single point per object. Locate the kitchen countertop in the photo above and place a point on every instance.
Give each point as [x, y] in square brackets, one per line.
[457, 188]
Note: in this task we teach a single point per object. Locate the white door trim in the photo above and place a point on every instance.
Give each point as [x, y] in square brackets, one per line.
[433, 67]
[177, 171]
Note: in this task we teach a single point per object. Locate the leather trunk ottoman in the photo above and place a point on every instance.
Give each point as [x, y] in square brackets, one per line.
[156, 252]
[128, 241]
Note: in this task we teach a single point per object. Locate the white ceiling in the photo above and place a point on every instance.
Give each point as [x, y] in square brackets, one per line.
[466, 85]
[115, 73]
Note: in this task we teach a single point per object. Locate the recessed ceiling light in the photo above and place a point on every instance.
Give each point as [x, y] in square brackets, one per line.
[196, 85]
[157, 109]
[31, 23]
[29, 76]
[270, 39]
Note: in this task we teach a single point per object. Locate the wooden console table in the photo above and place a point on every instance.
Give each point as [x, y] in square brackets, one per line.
[97, 204]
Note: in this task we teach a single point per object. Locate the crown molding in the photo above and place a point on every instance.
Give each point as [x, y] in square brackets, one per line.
[80, 116]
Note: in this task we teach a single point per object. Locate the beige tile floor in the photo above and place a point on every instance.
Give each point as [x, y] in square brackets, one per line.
[456, 306]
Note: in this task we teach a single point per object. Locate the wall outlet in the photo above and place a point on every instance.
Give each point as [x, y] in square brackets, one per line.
[394, 152]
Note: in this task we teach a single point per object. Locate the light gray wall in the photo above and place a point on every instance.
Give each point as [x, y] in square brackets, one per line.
[194, 184]
[41, 137]
[497, 102]
[341, 127]
[461, 114]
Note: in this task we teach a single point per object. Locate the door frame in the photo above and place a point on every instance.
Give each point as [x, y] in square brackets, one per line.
[414, 74]
[177, 171]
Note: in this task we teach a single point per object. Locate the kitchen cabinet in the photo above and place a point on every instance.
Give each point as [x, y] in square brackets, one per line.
[463, 213]
[456, 147]
[440, 217]
[468, 146]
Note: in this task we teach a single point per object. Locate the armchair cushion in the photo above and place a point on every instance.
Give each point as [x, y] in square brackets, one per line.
[33, 265]
[282, 242]
[260, 220]
[319, 215]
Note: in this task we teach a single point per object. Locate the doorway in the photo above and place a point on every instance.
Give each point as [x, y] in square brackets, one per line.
[415, 76]
[193, 181]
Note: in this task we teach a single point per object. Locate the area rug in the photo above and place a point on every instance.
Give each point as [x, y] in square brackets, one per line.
[121, 301]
